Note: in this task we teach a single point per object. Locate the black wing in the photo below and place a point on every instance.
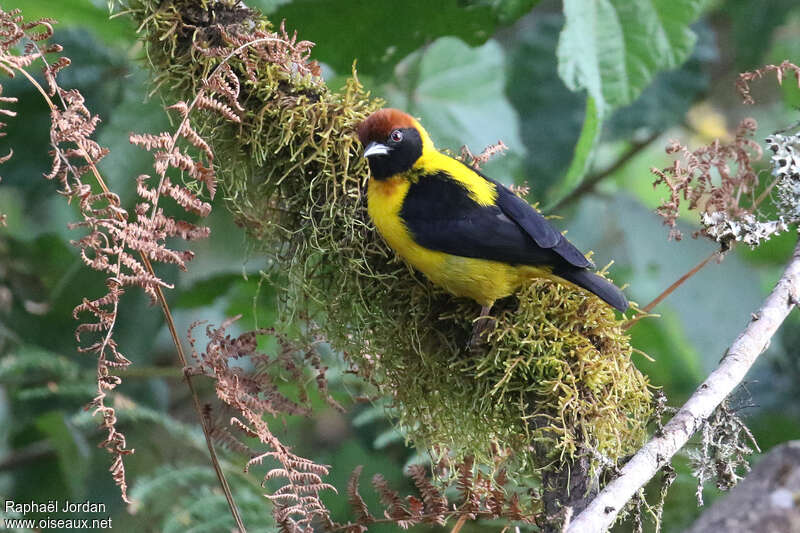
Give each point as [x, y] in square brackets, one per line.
[441, 216]
[537, 226]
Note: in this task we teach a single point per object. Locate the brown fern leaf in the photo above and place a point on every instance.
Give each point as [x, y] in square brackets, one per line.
[149, 141]
[357, 503]
[496, 494]
[179, 228]
[743, 83]
[52, 70]
[396, 510]
[416, 507]
[221, 435]
[513, 511]
[718, 178]
[188, 133]
[251, 396]
[186, 199]
[226, 83]
[209, 102]
[435, 501]
[312, 356]
[43, 35]
[111, 237]
[466, 486]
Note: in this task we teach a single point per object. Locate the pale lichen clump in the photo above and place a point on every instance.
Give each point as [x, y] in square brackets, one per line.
[785, 161]
[555, 378]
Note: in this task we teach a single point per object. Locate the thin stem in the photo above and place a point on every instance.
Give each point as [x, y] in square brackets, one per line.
[669, 290]
[591, 181]
[226, 489]
[763, 195]
[173, 332]
[461, 521]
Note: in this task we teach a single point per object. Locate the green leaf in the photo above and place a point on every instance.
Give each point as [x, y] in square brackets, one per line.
[82, 13]
[753, 24]
[613, 48]
[582, 156]
[379, 34]
[506, 11]
[70, 448]
[665, 102]
[206, 291]
[550, 114]
[458, 93]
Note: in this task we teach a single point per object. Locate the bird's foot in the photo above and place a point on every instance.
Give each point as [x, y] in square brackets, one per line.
[482, 325]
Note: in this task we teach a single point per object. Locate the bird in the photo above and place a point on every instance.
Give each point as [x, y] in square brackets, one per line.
[467, 233]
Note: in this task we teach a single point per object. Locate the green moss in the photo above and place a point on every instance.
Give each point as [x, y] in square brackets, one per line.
[556, 376]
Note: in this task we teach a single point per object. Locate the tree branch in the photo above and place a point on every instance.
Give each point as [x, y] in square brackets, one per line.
[590, 182]
[602, 511]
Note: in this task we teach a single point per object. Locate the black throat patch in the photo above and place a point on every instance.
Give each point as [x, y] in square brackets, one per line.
[401, 157]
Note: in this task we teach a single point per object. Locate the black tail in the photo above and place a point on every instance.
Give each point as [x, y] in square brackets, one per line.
[604, 289]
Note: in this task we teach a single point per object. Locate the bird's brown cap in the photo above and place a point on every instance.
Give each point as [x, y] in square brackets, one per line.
[378, 126]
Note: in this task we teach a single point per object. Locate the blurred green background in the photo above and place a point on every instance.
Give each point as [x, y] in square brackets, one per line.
[475, 71]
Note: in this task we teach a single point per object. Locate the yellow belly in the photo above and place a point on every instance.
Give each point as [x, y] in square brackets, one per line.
[482, 280]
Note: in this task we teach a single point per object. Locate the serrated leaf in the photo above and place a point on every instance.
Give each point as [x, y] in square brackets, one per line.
[614, 48]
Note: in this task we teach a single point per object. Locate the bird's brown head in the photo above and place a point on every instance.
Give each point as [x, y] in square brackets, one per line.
[393, 141]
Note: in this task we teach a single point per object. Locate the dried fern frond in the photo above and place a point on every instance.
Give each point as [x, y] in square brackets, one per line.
[743, 82]
[478, 497]
[692, 179]
[252, 396]
[120, 244]
[720, 182]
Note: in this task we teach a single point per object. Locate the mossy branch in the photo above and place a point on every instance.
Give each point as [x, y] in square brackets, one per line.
[752, 342]
[555, 383]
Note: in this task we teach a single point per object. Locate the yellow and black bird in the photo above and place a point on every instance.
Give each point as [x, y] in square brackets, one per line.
[466, 232]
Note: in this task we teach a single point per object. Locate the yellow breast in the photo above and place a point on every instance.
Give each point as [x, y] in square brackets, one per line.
[482, 280]
[384, 202]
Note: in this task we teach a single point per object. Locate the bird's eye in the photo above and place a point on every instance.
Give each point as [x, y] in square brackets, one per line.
[396, 136]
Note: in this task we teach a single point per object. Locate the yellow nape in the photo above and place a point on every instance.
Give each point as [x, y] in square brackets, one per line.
[433, 161]
[480, 189]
